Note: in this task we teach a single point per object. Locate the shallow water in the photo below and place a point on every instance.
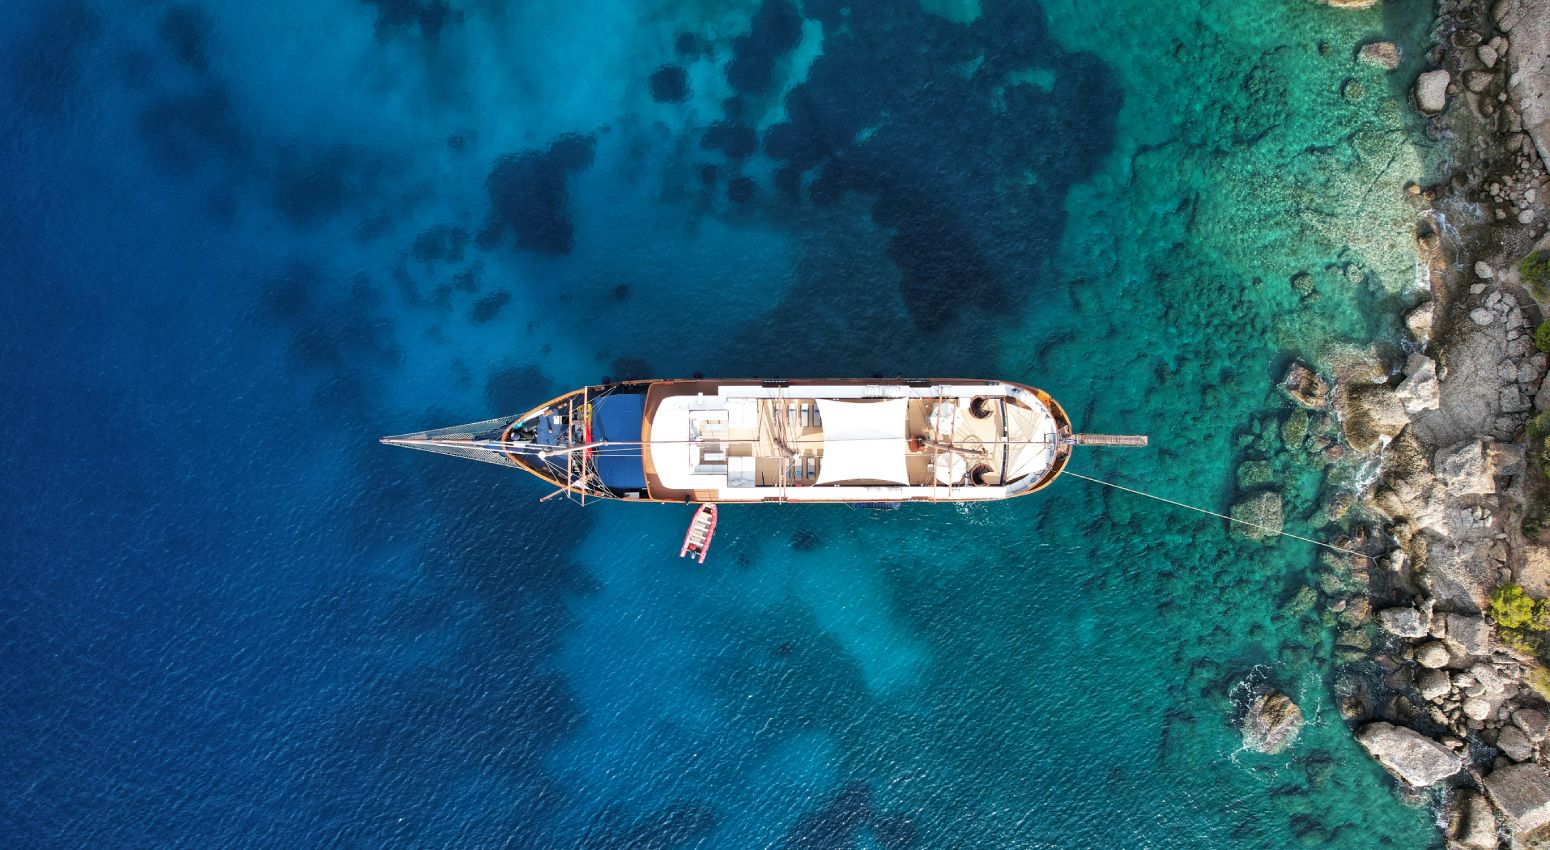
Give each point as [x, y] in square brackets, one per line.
[244, 239]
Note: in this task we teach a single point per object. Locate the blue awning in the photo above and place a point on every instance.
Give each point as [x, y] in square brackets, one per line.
[617, 418]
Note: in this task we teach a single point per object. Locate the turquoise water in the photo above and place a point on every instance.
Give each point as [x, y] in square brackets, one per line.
[245, 239]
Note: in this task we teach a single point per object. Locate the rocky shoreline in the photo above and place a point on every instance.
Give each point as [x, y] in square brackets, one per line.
[1436, 686]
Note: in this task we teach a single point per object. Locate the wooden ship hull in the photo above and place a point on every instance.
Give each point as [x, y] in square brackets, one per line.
[781, 441]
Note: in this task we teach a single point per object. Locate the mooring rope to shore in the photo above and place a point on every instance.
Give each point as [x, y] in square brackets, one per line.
[1265, 528]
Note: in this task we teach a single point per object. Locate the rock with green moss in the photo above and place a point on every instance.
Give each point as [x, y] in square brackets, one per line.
[1301, 602]
[1542, 336]
[1534, 271]
[1320, 766]
[1335, 507]
[1258, 517]
[1357, 613]
[1254, 473]
[1355, 637]
[1294, 430]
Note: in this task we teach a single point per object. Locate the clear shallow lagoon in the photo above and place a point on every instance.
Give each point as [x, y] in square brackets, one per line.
[244, 239]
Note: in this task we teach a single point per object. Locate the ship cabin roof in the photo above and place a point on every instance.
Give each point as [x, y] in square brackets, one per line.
[750, 441]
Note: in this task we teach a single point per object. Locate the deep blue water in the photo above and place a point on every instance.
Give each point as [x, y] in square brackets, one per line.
[242, 240]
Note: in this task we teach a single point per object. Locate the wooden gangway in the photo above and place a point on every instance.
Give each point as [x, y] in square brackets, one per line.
[1132, 440]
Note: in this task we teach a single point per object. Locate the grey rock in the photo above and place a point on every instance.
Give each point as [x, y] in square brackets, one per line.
[1507, 13]
[1420, 390]
[1404, 622]
[1419, 321]
[1470, 633]
[1433, 685]
[1431, 91]
[1483, 270]
[1521, 793]
[1487, 55]
[1476, 708]
[1534, 723]
[1515, 744]
[1462, 468]
[1432, 655]
[1481, 316]
[1407, 754]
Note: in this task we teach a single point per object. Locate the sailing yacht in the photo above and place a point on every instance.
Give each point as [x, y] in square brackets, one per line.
[759, 441]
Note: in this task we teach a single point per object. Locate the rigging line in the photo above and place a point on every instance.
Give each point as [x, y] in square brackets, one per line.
[1264, 528]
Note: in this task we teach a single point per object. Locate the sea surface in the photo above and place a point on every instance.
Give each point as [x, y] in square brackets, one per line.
[241, 240]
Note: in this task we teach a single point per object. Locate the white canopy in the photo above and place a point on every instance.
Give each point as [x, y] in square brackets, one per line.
[863, 441]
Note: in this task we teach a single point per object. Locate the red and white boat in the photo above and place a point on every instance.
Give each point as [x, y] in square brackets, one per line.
[701, 529]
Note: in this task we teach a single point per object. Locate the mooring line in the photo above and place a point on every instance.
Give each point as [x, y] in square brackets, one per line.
[1264, 528]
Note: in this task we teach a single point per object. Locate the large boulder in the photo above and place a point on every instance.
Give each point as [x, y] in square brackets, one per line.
[1470, 633]
[1432, 655]
[1420, 390]
[1522, 793]
[1433, 685]
[1371, 414]
[1258, 516]
[1515, 744]
[1431, 91]
[1272, 723]
[1407, 754]
[1464, 470]
[1405, 622]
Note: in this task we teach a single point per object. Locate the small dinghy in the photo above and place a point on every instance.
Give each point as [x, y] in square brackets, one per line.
[701, 529]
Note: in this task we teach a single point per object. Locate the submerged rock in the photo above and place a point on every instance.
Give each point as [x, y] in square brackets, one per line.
[1263, 510]
[1407, 754]
[1254, 473]
[1431, 91]
[1384, 54]
[1522, 793]
[1272, 723]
